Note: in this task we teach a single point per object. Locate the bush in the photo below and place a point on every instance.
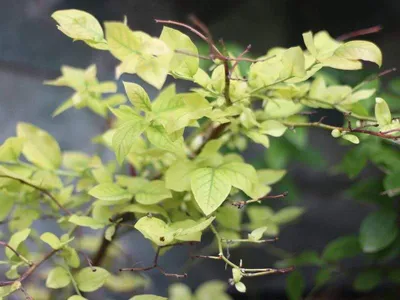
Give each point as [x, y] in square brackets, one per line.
[179, 171]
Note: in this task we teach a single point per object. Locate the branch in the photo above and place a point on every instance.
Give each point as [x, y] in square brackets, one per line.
[43, 191]
[30, 270]
[240, 204]
[156, 265]
[245, 272]
[343, 129]
[24, 259]
[359, 32]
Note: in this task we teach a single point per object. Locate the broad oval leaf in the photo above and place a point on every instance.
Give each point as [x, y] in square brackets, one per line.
[15, 240]
[360, 50]
[155, 230]
[210, 188]
[378, 230]
[39, 147]
[109, 192]
[89, 280]
[137, 96]
[125, 136]
[58, 278]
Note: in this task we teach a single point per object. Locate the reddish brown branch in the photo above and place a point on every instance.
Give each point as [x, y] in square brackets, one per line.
[359, 32]
[30, 270]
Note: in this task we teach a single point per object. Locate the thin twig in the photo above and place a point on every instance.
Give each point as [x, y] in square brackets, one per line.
[30, 270]
[156, 265]
[241, 204]
[360, 32]
[24, 259]
[43, 191]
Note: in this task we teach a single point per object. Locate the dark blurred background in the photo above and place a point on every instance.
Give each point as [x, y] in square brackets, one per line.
[32, 50]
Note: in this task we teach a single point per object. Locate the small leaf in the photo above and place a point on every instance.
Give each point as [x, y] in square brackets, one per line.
[242, 176]
[258, 138]
[378, 230]
[137, 96]
[210, 188]
[80, 25]
[152, 193]
[270, 176]
[39, 147]
[351, 138]
[109, 192]
[257, 234]
[182, 65]
[382, 112]
[342, 247]
[179, 291]
[57, 278]
[15, 240]
[89, 280]
[178, 175]
[86, 222]
[125, 136]
[77, 297]
[51, 239]
[148, 297]
[288, 214]
[240, 287]
[293, 63]
[295, 285]
[155, 230]
[360, 50]
[367, 280]
[108, 235]
[11, 149]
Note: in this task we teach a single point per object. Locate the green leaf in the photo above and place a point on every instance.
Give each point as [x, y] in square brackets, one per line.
[288, 214]
[257, 233]
[145, 209]
[109, 192]
[57, 278]
[305, 258]
[213, 289]
[309, 42]
[258, 138]
[122, 42]
[342, 247]
[382, 112]
[229, 217]
[367, 280]
[86, 222]
[6, 204]
[360, 50]
[11, 149]
[137, 96]
[89, 280]
[295, 285]
[186, 233]
[39, 147]
[273, 128]
[182, 65]
[391, 184]
[80, 25]
[160, 139]
[177, 177]
[77, 297]
[179, 291]
[7, 290]
[15, 240]
[270, 176]
[241, 175]
[241, 288]
[293, 63]
[51, 239]
[394, 276]
[378, 230]
[155, 230]
[125, 136]
[323, 276]
[148, 297]
[351, 138]
[152, 193]
[210, 188]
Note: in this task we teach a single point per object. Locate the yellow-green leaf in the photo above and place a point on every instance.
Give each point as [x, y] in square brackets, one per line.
[58, 278]
[11, 149]
[89, 280]
[15, 240]
[39, 147]
[109, 192]
[382, 112]
[210, 188]
[137, 96]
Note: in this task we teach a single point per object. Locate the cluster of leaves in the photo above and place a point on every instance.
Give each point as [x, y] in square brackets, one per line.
[183, 179]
